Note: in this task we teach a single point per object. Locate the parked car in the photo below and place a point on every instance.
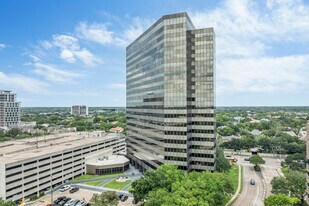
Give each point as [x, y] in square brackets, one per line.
[69, 203]
[80, 203]
[252, 182]
[75, 203]
[65, 200]
[65, 187]
[74, 189]
[59, 199]
[124, 198]
[120, 196]
[247, 159]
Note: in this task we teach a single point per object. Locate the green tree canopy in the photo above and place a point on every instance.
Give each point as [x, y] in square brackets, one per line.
[296, 161]
[222, 164]
[293, 183]
[281, 200]
[14, 132]
[169, 186]
[6, 203]
[108, 198]
[195, 189]
[256, 160]
[162, 177]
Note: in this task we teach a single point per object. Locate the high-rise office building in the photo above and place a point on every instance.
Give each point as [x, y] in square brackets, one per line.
[79, 110]
[170, 96]
[9, 109]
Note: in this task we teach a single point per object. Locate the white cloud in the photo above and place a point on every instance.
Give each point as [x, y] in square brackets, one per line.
[117, 86]
[99, 33]
[246, 35]
[96, 32]
[54, 74]
[266, 74]
[2, 46]
[137, 27]
[67, 55]
[69, 49]
[21, 82]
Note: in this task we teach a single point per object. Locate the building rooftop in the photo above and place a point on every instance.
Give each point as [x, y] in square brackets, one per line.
[108, 160]
[18, 150]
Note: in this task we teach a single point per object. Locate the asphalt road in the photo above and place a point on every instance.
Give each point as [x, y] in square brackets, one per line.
[253, 195]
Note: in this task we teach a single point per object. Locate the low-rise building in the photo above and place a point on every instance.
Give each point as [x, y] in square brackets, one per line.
[107, 164]
[116, 129]
[34, 165]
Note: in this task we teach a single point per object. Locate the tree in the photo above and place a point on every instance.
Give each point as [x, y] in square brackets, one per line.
[281, 200]
[296, 161]
[235, 144]
[248, 142]
[2, 134]
[222, 164]
[265, 142]
[226, 131]
[293, 184]
[6, 203]
[14, 132]
[256, 160]
[169, 186]
[195, 189]
[162, 177]
[108, 198]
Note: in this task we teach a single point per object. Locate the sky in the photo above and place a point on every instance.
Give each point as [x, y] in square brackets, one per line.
[60, 53]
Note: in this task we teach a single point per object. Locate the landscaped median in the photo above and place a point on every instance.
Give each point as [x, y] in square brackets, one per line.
[114, 184]
[235, 175]
[94, 177]
[94, 183]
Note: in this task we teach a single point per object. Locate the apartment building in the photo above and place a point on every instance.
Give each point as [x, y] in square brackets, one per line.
[31, 166]
[9, 109]
[79, 110]
[170, 96]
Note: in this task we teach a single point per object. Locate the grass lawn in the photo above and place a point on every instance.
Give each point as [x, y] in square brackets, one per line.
[233, 176]
[94, 183]
[116, 185]
[90, 177]
[285, 170]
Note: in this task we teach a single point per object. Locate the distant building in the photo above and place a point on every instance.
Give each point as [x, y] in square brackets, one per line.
[33, 165]
[254, 121]
[292, 133]
[229, 138]
[9, 109]
[302, 135]
[256, 132]
[116, 129]
[79, 110]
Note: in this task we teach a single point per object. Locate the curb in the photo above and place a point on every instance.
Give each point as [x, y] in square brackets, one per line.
[235, 196]
[264, 186]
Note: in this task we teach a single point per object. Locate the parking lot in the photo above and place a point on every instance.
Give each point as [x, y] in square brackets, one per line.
[82, 194]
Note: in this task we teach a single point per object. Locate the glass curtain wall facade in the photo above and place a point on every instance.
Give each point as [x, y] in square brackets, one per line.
[170, 96]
